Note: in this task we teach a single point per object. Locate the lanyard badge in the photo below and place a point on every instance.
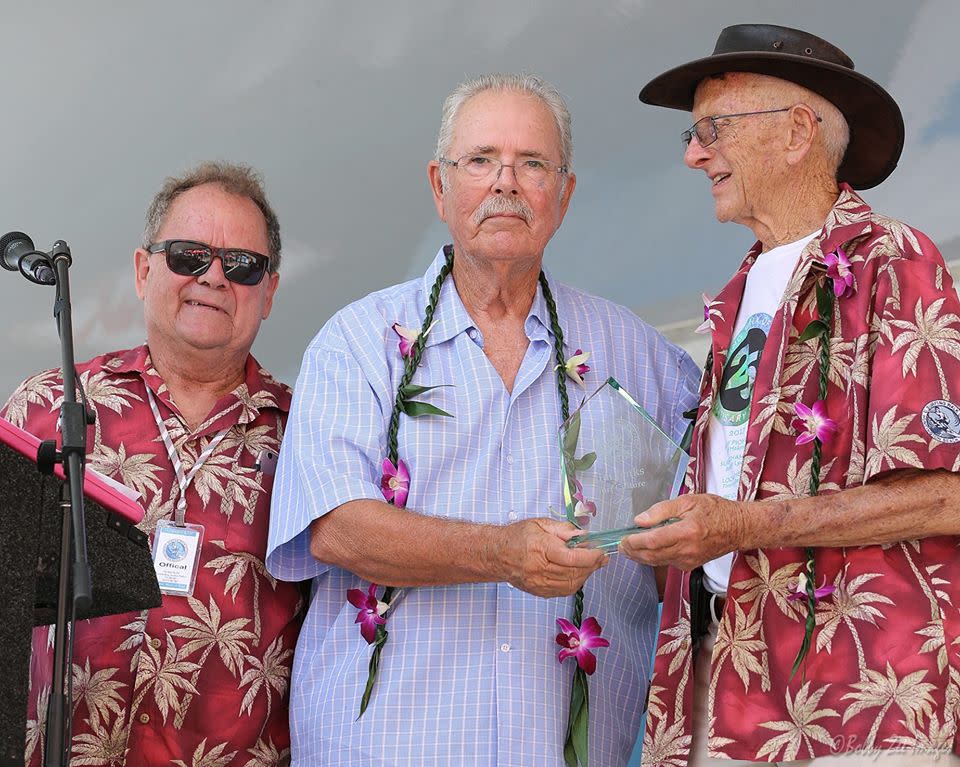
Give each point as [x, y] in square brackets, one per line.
[176, 556]
[177, 544]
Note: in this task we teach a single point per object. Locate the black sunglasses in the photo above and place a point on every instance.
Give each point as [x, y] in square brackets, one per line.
[191, 259]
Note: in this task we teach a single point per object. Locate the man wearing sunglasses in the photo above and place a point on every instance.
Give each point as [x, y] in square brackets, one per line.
[821, 521]
[193, 423]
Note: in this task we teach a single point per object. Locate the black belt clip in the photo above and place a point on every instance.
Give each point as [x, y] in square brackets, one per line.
[700, 614]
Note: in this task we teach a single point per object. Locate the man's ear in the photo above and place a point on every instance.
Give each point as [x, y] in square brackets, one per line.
[567, 194]
[803, 128]
[141, 267]
[436, 186]
[272, 281]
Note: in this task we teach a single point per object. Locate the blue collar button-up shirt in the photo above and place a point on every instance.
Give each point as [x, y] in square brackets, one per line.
[469, 675]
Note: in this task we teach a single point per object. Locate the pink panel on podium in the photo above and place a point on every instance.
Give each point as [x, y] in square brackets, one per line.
[95, 485]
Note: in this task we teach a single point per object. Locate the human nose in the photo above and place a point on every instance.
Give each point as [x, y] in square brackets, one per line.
[214, 277]
[695, 155]
[509, 184]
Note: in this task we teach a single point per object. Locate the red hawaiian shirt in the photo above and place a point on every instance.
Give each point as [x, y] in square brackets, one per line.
[884, 667]
[201, 680]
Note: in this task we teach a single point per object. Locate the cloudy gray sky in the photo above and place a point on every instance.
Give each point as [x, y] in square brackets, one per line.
[338, 104]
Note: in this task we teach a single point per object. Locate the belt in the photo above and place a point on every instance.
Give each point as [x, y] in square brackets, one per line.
[716, 606]
[705, 606]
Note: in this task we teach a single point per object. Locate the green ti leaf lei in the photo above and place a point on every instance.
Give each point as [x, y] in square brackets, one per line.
[820, 329]
[575, 746]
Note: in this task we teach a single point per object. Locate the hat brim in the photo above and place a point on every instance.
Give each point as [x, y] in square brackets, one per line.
[876, 124]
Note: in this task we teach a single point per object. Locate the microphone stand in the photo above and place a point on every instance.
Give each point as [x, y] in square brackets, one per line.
[73, 540]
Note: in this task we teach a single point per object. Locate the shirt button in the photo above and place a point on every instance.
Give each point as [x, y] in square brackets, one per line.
[513, 515]
[144, 718]
[510, 458]
[472, 333]
[155, 643]
[504, 647]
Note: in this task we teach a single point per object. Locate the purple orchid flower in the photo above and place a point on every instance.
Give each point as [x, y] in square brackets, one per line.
[584, 508]
[395, 482]
[370, 613]
[813, 423]
[838, 270]
[800, 592]
[408, 338]
[576, 366]
[577, 642]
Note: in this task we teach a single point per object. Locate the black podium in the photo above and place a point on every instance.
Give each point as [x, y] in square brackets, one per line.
[30, 530]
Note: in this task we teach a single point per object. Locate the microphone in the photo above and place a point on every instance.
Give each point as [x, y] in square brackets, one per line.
[17, 253]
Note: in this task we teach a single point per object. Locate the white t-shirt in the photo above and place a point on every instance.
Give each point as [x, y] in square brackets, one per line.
[727, 429]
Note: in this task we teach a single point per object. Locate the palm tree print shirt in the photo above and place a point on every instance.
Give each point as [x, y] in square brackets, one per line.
[884, 667]
[202, 680]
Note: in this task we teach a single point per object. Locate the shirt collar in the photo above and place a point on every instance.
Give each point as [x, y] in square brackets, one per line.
[135, 360]
[258, 391]
[537, 325]
[451, 317]
[849, 219]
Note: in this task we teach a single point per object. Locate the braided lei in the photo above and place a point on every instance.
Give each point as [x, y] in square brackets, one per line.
[577, 635]
[814, 425]
[811, 422]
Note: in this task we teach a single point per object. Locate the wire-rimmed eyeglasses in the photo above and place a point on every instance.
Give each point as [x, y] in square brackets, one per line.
[705, 129]
[481, 167]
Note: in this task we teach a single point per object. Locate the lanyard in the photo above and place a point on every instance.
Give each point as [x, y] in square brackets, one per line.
[183, 480]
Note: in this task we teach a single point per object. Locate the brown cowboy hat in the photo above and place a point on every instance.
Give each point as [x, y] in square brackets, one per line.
[876, 125]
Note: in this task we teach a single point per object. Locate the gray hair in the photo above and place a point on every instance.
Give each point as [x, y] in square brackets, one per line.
[833, 125]
[836, 130]
[240, 180]
[524, 83]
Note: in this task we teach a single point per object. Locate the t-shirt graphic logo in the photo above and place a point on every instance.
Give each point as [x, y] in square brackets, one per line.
[736, 383]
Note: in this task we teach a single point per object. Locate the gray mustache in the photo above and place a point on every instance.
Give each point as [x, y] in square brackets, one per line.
[498, 205]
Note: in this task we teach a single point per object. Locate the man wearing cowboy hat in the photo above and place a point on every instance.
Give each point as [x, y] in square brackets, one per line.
[820, 519]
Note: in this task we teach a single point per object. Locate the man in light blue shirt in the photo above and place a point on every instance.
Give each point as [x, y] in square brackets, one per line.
[370, 489]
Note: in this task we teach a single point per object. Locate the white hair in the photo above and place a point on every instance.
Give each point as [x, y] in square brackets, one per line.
[833, 125]
[836, 131]
[523, 83]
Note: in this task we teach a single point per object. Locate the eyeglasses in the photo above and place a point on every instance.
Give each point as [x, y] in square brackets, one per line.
[191, 259]
[705, 129]
[480, 167]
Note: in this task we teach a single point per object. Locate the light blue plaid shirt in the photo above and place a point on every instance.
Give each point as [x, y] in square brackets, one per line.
[469, 675]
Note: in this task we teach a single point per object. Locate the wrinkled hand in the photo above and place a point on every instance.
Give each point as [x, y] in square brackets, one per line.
[709, 526]
[536, 559]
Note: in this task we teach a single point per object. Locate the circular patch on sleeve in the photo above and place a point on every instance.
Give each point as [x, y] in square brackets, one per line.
[941, 419]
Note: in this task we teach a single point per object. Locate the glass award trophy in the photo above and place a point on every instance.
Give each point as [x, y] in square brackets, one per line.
[615, 462]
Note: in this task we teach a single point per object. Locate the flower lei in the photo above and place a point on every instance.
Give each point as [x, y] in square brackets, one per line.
[577, 636]
[816, 426]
